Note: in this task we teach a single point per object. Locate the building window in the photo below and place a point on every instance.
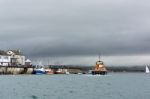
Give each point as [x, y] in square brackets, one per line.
[5, 57]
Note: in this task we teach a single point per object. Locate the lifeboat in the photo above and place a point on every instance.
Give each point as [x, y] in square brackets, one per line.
[100, 69]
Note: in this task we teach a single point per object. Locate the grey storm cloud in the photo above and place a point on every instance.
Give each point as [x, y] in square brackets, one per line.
[75, 27]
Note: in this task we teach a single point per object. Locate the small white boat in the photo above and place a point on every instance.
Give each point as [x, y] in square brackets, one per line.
[67, 73]
[147, 69]
[79, 73]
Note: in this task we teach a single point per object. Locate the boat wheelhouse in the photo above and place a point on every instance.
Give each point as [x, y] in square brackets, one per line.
[99, 69]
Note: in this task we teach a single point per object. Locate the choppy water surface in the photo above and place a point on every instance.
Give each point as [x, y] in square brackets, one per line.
[111, 86]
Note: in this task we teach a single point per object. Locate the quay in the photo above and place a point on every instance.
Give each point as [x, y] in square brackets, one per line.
[14, 70]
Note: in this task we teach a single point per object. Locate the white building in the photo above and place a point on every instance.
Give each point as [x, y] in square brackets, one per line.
[28, 62]
[5, 60]
[11, 58]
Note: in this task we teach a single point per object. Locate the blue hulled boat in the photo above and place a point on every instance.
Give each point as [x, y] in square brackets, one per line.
[40, 71]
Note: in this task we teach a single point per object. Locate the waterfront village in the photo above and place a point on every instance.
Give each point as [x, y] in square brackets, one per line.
[14, 62]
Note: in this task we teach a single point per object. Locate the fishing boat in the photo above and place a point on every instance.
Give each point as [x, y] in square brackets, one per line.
[49, 71]
[40, 71]
[100, 68]
[60, 71]
[147, 69]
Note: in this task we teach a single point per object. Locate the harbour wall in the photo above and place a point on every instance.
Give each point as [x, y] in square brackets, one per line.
[16, 70]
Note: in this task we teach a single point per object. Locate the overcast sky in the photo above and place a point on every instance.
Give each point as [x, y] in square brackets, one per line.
[76, 31]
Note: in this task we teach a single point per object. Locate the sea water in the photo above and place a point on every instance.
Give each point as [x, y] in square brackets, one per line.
[111, 86]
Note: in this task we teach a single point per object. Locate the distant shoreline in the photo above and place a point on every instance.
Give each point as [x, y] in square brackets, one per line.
[70, 68]
[109, 68]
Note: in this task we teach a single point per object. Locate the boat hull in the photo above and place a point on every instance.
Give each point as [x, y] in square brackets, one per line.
[99, 72]
[40, 72]
[59, 73]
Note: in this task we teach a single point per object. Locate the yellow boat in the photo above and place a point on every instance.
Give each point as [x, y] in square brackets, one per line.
[99, 68]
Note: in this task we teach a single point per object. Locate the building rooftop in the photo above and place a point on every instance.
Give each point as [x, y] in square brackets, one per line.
[3, 52]
[16, 52]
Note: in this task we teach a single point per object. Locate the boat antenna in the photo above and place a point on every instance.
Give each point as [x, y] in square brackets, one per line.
[99, 57]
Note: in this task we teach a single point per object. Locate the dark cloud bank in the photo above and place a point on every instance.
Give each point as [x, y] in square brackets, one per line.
[77, 28]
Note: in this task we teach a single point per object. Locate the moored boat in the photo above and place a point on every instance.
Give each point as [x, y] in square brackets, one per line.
[49, 71]
[60, 71]
[40, 71]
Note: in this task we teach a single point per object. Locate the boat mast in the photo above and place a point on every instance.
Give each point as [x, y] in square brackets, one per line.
[99, 57]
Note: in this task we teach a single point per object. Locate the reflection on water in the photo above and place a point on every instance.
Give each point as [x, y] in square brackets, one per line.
[111, 86]
[34, 97]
